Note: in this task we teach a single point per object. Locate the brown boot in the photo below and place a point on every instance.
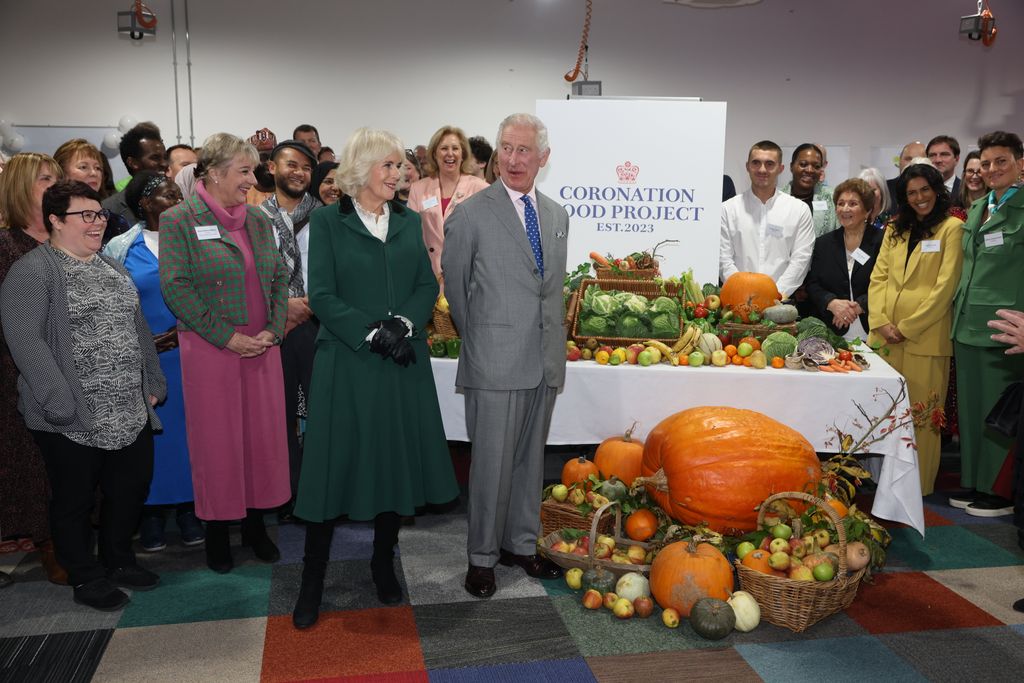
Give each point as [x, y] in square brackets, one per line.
[54, 572]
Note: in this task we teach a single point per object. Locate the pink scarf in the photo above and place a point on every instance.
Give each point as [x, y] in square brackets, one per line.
[231, 219]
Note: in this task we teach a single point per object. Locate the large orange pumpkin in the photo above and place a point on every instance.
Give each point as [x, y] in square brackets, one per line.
[686, 571]
[745, 291]
[620, 456]
[577, 471]
[717, 464]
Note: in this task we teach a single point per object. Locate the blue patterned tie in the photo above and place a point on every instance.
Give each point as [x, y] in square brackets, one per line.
[533, 233]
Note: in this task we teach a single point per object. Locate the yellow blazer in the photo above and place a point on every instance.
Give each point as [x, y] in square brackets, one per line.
[916, 295]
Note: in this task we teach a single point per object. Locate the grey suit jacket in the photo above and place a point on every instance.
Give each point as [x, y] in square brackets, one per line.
[36, 324]
[511, 320]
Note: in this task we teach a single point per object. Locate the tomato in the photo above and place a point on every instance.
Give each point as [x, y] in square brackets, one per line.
[845, 355]
[700, 312]
[725, 338]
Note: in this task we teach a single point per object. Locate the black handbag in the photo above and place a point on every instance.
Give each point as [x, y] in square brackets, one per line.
[1005, 414]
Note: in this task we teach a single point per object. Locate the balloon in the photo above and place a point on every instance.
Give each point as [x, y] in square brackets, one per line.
[6, 128]
[126, 123]
[15, 143]
[112, 140]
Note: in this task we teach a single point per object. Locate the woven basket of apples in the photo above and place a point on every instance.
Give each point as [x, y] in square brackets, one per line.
[613, 552]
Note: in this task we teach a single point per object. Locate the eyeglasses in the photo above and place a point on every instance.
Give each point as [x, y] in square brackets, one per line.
[90, 216]
[972, 171]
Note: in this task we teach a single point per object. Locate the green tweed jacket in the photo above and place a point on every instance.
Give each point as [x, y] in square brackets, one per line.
[203, 281]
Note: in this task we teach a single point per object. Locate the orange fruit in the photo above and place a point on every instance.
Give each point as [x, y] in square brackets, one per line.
[641, 525]
[730, 350]
[737, 360]
[778, 362]
[752, 341]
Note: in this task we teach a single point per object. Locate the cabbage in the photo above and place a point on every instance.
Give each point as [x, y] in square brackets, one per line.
[778, 344]
[813, 327]
[637, 305]
[665, 325]
[595, 326]
[605, 305]
[817, 349]
[623, 297]
[664, 305]
[632, 326]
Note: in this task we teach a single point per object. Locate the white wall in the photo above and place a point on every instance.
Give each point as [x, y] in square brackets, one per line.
[864, 73]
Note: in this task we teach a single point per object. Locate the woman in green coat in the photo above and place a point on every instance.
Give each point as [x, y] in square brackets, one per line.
[375, 447]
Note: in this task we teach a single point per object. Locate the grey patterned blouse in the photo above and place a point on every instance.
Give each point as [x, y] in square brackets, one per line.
[101, 308]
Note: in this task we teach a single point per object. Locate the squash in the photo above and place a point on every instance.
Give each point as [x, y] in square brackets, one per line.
[716, 464]
[686, 571]
[613, 489]
[578, 470]
[758, 561]
[600, 580]
[712, 619]
[744, 292]
[746, 609]
[632, 586]
[620, 456]
[780, 314]
[641, 524]
[708, 343]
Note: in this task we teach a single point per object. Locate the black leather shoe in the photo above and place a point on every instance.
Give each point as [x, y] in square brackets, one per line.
[1019, 605]
[389, 590]
[480, 581]
[534, 565]
[307, 607]
[100, 594]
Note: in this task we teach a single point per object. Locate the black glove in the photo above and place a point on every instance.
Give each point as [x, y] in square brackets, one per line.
[389, 332]
[403, 353]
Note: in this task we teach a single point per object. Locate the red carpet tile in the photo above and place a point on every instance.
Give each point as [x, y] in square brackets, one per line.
[400, 677]
[912, 601]
[368, 642]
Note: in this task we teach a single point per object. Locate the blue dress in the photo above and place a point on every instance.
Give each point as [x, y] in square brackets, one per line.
[172, 474]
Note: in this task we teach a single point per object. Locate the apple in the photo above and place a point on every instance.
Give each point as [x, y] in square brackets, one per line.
[772, 520]
[602, 552]
[591, 344]
[797, 547]
[643, 606]
[610, 599]
[719, 358]
[823, 572]
[695, 360]
[620, 558]
[712, 302]
[584, 542]
[782, 531]
[655, 354]
[670, 617]
[574, 578]
[743, 548]
[779, 545]
[577, 496]
[604, 539]
[623, 609]
[573, 354]
[636, 554]
[580, 550]
[765, 542]
[646, 358]
[779, 561]
[587, 354]
[592, 599]
[801, 573]
[744, 349]
[809, 544]
[561, 547]
[616, 359]
[632, 351]
[607, 349]
[822, 538]
[560, 492]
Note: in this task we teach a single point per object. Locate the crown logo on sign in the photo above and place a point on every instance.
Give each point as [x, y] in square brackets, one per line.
[627, 172]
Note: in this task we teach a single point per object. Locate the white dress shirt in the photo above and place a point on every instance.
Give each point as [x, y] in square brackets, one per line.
[517, 201]
[774, 237]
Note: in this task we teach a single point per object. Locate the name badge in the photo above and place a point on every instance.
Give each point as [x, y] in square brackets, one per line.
[774, 231]
[207, 232]
[429, 203]
[994, 239]
[819, 205]
[860, 256]
[930, 246]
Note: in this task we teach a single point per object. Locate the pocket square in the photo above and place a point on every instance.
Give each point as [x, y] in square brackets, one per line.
[560, 235]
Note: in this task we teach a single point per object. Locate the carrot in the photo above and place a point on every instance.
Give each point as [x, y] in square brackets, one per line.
[837, 366]
[826, 368]
[853, 366]
[599, 259]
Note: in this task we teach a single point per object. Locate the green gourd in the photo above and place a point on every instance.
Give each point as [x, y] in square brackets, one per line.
[614, 489]
[712, 618]
[780, 314]
[600, 580]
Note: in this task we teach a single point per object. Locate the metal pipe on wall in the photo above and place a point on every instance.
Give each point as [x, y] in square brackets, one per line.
[174, 64]
[188, 57]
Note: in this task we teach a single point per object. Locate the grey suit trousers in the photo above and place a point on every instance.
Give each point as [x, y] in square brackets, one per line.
[508, 430]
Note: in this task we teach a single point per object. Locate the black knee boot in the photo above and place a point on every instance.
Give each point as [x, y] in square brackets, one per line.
[314, 566]
[218, 547]
[382, 566]
[254, 534]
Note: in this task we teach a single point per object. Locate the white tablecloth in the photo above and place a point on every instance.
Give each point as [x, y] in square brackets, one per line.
[601, 401]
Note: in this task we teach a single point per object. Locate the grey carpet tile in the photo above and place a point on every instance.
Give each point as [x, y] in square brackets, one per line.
[492, 632]
[351, 541]
[53, 658]
[724, 665]
[440, 579]
[993, 589]
[39, 607]
[435, 535]
[1003, 535]
[347, 586]
[992, 655]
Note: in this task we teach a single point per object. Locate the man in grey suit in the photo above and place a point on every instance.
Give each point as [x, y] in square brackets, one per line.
[504, 265]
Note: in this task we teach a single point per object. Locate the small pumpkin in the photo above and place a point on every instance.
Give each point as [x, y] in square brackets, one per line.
[578, 470]
[641, 524]
[746, 609]
[600, 580]
[620, 456]
[633, 585]
[686, 571]
[780, 314]
[712, 618]
[758, 561]
[614, 489]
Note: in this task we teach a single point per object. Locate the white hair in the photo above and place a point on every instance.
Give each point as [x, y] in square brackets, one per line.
[527, 121]
[366, 147]
[873, 175]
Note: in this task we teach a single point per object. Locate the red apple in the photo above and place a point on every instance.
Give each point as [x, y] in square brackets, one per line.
[623, 608]
[609, 599]
[573, 354]
[633, 351]
[644, 607]
[592, 599]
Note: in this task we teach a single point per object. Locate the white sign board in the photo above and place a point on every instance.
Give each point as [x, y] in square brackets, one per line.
[634, 172]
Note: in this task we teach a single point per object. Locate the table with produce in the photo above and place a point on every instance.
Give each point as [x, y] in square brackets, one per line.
[712, 502]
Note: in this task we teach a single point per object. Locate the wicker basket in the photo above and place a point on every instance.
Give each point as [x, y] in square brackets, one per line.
[443, 325]
[647, 288]
[555, 516]
[638, 274]
[798, 604]
[758, 332]
[568, 561]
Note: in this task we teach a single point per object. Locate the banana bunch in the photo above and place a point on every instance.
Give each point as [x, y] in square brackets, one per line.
[665, 354]
[687, 341]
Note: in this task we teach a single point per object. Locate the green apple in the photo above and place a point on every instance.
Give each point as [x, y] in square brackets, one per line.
[823, 572]
[782, 531]
[696, 359]
[645, 358]
[560, 492]
[743, 548]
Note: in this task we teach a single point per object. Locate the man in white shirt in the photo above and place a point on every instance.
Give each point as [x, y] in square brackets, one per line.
[944, 153]
[764, 230]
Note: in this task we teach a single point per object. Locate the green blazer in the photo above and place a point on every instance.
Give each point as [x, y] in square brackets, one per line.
[203, 281]
[993, 276]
